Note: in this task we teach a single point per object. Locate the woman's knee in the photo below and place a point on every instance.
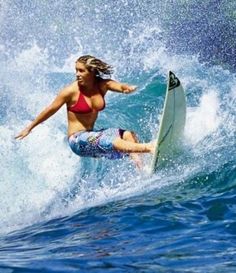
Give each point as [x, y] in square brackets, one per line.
[129, 135]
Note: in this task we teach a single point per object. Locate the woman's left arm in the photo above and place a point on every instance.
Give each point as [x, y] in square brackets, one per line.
[119, 87]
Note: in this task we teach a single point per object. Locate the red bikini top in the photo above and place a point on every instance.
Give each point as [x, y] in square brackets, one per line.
[82, 107]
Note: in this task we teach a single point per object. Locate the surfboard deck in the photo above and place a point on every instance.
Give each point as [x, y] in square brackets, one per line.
[172, 123]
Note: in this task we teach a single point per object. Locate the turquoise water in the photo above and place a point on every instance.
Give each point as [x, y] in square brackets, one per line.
[60, 213]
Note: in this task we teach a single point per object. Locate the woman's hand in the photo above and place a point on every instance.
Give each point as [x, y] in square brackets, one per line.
[23, 133]
[128, 88]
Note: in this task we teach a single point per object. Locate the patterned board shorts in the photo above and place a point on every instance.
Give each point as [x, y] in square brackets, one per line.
[97, 143]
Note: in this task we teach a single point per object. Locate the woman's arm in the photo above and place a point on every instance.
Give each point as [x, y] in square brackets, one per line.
[119, 87]
[61, 99]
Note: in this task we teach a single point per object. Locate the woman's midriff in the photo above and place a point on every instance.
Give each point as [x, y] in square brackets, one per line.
[82, 122]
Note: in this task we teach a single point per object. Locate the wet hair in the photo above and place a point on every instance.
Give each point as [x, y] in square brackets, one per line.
[95, 65]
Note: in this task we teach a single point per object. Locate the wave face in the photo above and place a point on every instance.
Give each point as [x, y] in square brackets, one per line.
[60, 213]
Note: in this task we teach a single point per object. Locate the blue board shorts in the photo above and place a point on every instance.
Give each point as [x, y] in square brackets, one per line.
[97, 143]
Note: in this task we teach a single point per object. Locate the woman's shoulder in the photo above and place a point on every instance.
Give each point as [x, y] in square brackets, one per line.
[104, 84]
[69, 90]
[72, 87]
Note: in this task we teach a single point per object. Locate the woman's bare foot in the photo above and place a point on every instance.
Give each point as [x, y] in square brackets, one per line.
[151, 146]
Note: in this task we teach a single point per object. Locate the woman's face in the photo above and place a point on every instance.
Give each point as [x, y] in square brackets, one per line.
[83, 75]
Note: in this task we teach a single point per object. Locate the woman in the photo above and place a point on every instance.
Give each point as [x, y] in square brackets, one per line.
[85, 99]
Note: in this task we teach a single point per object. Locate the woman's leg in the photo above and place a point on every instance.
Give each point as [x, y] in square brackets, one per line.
[128, 144]
[130, 136]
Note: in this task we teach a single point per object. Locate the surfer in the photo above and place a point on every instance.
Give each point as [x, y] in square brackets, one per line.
[85, 98]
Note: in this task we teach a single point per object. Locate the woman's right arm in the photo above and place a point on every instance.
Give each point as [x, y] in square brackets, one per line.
[62, 98]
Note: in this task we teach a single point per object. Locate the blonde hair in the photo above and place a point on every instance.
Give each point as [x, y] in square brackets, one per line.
[95, 65]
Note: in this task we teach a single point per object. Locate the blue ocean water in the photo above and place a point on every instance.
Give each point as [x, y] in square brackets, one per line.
[60, 213]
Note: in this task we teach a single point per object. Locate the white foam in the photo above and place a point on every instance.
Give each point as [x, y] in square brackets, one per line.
[69, 63]
[204, 119]
[28, 59]
[34, 171]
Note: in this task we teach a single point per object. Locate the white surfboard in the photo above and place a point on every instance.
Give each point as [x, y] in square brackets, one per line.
[171, 124]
